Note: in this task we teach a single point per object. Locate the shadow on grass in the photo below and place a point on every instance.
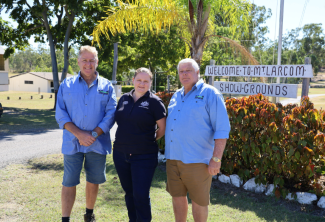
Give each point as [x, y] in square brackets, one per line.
[26, 122]
[43, 166]
[266, 207]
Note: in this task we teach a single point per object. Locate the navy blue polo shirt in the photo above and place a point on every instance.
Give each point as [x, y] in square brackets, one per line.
[136, 121]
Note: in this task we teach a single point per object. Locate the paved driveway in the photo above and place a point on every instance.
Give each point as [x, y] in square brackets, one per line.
[19, 148]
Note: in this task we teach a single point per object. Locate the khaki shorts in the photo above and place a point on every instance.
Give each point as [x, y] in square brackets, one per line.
[193, 178]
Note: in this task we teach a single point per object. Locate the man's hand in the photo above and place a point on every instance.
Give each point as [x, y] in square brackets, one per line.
[85, 138]
[214, 167]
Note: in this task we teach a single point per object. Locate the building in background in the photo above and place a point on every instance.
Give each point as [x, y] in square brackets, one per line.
[4, 71]
[33, 82]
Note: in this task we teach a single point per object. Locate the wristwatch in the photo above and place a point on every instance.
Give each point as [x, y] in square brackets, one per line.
[216, 159]
[94, 134]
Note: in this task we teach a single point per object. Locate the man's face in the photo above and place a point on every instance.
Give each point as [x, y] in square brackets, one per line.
[187, 75]
[87, 63]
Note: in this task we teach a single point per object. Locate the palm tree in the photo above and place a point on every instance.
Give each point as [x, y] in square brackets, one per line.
[196, 26]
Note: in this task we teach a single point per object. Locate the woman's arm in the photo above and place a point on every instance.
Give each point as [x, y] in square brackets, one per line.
[161, 128]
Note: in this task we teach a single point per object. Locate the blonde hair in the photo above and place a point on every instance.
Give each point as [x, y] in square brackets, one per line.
[88, 48]
[142, 69]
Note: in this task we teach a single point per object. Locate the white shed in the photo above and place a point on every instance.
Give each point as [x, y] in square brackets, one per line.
[33, 82]
[4, 70]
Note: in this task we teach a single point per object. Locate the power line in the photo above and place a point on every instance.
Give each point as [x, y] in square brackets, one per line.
[299, 26]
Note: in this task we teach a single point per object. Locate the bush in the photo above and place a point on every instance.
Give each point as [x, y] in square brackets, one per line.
[126, 89]
[160, 88]
[165, 97]
[283, 145]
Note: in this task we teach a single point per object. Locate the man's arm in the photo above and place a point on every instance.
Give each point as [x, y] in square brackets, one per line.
[84, 137]
[221, 128]
[108, 121]
[219, 147]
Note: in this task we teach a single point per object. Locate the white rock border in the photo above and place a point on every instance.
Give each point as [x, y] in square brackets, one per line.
[250, 185]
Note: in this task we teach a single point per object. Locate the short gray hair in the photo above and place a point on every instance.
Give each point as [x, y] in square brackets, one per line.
[88, 48]
[192, 61]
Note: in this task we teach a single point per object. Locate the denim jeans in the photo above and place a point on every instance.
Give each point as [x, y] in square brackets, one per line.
[136, 173]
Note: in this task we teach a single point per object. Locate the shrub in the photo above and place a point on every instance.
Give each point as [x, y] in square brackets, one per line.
[283, 145]
[126, 89]
[160, 88]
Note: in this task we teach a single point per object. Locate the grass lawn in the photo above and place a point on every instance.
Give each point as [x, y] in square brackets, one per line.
[26, 114]
[32, 193]
[26, 101]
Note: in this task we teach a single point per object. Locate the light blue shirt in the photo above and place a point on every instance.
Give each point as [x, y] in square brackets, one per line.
[86, 107]
[193, 122]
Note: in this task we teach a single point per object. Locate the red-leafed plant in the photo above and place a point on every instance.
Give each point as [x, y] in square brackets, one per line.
[283, 145]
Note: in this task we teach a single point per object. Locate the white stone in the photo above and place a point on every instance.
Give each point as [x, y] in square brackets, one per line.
[250, 185]
[321, 202]
[224, 179]
[269, 190]
[161, 158]
[306, 198]
[290, 196]
[235, 180]
[260, 188]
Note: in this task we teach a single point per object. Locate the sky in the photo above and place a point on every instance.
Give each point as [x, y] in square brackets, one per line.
[292, 14]
[293, 11]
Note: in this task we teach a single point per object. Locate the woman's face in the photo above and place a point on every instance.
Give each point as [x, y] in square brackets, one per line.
[142, 82]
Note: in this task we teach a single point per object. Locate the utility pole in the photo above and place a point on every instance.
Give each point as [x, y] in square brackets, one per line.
[115, 64]
[280, 43]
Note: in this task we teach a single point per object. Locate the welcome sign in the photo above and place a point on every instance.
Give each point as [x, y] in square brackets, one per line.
[289, 71]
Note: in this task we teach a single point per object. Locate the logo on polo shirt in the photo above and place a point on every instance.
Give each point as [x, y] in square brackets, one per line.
[125, 102]
[144, 104]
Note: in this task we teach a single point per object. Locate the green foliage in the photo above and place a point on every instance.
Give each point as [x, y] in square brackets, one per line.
[39, 60]
[126, 89]
[283, 145]
[11, 38]
[160, 88]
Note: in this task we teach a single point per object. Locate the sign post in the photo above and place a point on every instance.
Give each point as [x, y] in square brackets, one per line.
[305, 82]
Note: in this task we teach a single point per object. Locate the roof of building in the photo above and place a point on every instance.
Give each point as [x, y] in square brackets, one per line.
[2, 51]
[44, 75]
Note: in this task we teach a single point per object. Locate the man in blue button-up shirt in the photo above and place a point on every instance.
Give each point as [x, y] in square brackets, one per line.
[85, 111]
[196, 133]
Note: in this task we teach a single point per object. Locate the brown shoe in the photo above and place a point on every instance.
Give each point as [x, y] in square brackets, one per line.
[89, 218]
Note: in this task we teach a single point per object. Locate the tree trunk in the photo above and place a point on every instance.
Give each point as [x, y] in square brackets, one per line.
[66, 44]
[53, 54]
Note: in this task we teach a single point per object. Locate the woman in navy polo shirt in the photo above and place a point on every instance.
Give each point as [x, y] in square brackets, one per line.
[135, 151]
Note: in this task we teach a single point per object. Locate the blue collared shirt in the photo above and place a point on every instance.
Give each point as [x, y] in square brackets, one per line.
[193, 122]
[86, 107]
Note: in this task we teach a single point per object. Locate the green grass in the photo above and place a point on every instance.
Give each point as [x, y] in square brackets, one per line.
[26, 114]
[19, 120]
[32, 193]
[26, 101]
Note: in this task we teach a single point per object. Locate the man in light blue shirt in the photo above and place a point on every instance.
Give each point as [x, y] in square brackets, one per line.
[85, 110]
[196, 133]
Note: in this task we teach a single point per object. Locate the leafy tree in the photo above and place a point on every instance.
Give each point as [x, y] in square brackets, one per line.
[56, 19]
[11, 38]
[39, 60]
[196, 26]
